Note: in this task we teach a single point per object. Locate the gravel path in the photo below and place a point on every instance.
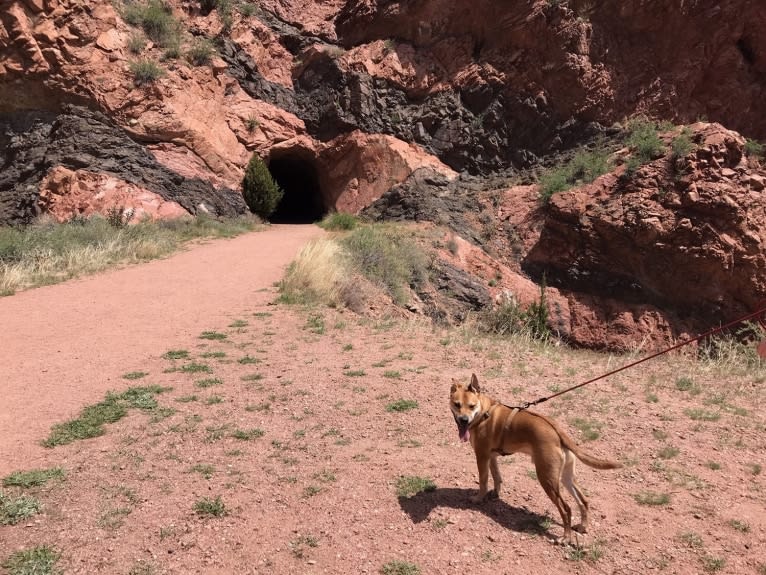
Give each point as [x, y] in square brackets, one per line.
[62, 345]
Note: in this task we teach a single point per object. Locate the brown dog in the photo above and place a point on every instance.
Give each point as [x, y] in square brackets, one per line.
[495, 429]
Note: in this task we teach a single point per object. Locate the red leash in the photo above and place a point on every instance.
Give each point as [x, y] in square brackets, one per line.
[759, 316]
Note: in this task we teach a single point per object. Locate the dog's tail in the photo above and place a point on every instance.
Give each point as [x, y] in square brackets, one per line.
[589, 460]
[569, 443]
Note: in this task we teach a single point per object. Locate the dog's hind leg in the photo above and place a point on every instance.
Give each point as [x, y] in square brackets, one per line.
[549, 475]
[568, 479]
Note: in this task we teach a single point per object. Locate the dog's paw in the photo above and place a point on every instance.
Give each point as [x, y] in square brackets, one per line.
[493, 494]
[580, 528]
[476, 498]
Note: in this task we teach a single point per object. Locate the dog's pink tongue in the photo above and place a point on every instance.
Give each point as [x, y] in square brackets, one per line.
[466, 435]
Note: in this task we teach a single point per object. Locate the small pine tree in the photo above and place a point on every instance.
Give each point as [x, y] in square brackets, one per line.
[262, 194]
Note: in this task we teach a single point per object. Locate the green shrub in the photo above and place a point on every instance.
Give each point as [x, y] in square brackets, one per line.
[172, 51]
[200, 52]
[583, 168]
[644, 140]
[136, 43]
[119, 216]
[754, 149]
[145, 71]
[261, 192]
[339, 221]
[251, 123]
[682, 144]
[508, 317]
[155, 19]
[386, 256]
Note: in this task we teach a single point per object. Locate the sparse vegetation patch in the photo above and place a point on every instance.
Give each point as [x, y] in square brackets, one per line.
[114, 407]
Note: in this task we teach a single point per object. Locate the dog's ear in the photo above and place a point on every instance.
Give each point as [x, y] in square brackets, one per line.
[474, 385]
[455, 385]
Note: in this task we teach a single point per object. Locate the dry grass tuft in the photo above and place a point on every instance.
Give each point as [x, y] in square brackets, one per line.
[320, 274]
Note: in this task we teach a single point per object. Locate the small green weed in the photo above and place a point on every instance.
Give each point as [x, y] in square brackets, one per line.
[392, 374]
[15, 509]
[248, 360]
[410, 485]
[588, 428]
[113, 518]
[402, 405]
[339, 221]
[213, 400]
[712, 564]
[713, 465]
[691, 539]
[135, 375]
[698, 414]
[741, 526]
[213, 354]
[207, 507]
[687, 384]
[310, 491]
[325, 476]
[354, 373]
[248, 434]
[299, 544]
[213, 335]
[204, 469]
[668, 452]
[194, 367]
[36, 561]
[315, 324]
[176, 354]
[32, 478]
[397, 567]
[208, 382]
[114, 407]
[652, 498]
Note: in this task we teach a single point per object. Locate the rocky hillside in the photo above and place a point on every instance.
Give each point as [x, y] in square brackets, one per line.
[424, 110]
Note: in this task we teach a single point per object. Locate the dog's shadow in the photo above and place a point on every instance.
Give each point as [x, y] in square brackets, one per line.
[520, 519]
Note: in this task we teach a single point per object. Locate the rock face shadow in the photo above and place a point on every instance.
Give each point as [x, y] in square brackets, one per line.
[519, 519]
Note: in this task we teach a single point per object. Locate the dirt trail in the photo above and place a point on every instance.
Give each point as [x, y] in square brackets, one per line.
[64, 346]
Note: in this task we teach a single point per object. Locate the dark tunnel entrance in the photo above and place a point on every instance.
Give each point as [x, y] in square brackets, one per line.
[303, 202]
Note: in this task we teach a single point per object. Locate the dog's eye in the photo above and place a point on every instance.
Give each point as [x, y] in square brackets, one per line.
[457, 404]
[471, 405]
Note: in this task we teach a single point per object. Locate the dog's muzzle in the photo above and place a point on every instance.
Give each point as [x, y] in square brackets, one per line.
[462, 426]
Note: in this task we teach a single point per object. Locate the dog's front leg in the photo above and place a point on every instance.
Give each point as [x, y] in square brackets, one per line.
[496, 478]
[482, 461]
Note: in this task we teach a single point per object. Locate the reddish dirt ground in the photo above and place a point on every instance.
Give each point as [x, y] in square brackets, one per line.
[317, 490]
